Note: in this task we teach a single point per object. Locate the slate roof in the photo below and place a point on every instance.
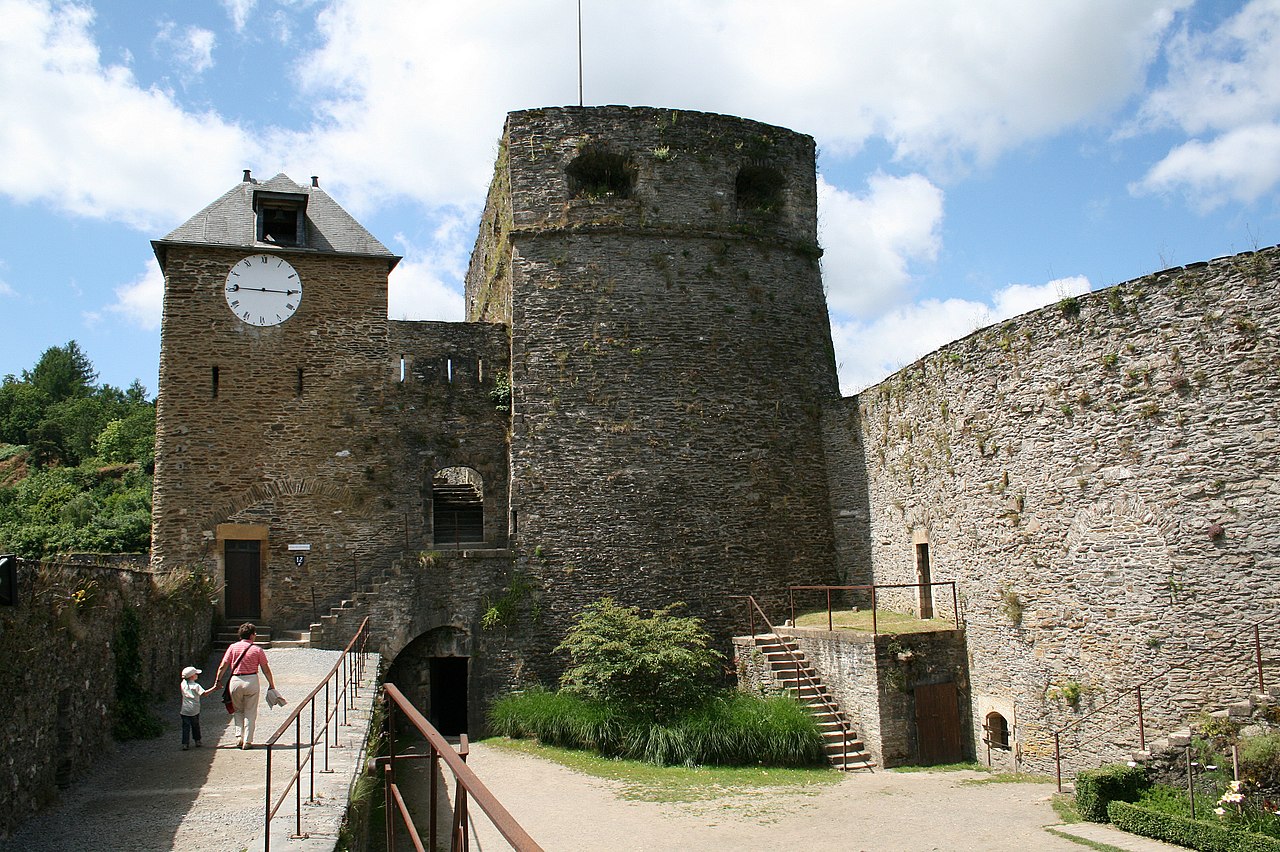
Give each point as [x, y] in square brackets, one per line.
[230, 221]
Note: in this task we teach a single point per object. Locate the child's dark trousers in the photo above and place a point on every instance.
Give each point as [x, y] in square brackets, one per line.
[191, 729]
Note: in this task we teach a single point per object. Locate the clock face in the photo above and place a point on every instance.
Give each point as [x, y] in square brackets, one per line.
[263, 290]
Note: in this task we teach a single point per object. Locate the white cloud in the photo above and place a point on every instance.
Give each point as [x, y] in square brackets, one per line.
[871, 241]
[190, 48]
[417, 288]
[867, 352]
[1240, 165]
[410, 95]
[239, 11]
[141, 302]
[90, 139]
[6, 290]
[1224, 86]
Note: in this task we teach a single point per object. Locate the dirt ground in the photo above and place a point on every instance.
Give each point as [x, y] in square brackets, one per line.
[878, 812]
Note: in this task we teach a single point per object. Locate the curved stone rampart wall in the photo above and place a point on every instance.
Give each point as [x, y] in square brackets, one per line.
[1101, 478]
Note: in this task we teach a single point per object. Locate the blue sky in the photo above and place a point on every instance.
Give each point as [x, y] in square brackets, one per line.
[978, 158]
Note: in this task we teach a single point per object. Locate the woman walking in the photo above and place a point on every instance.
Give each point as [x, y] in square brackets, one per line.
[242, 661]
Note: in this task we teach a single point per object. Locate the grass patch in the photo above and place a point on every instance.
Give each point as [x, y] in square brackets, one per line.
[886, 621]
[1007, 778]
[1085, 842]
[969, 766]
[728, 729]
[650, 783]
[1064, 805]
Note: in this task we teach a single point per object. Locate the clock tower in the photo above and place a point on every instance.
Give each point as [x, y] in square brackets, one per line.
[274, 362]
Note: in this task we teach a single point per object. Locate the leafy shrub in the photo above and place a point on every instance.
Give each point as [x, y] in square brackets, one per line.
[1195, 834]
[654, 668]
[1260, 759]
[1096, 788]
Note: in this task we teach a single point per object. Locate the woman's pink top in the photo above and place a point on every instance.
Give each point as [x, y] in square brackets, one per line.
[252, 659]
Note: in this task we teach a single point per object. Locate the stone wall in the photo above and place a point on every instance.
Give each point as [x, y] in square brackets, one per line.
[671, 356]
[1100, 477]
[58, 670]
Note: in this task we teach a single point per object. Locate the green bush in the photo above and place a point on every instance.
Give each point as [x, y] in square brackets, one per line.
[730, 729]
[1260, 759]
[1194, 834]
[1096, 788]
[656, 668]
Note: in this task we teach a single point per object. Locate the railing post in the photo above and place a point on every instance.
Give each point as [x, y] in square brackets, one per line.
[829, 627]
[791, 593]
[1057, 757]
[1191, 784]
[266, 837]
[435, 805]
[875, 625]
[1142, 732]
[955, 604]
[297, 771]
[389, 808]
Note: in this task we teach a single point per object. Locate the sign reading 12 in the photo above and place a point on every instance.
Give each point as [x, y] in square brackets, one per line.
[263, 290]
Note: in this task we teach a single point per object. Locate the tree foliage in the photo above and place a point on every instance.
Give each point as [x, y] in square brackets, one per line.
[87, 452]
[656, 667]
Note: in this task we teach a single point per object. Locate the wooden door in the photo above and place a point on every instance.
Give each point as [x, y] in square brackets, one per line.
[242, 561]
[938, 724]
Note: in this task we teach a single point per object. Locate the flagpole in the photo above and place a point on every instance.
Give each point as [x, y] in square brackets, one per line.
[579, 52]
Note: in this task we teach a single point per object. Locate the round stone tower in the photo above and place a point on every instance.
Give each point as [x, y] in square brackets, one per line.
[670, 357]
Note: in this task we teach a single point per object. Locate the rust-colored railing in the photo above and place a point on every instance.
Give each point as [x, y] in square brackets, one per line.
[1252, 664]
[753, 608]
[875, 626]
[467, 786]
[339, 695]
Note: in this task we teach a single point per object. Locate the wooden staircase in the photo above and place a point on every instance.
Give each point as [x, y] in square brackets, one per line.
[791, 671]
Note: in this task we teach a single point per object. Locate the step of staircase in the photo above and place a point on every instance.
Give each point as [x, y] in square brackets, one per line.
[292, 639]
[792, 672]
[226, 635]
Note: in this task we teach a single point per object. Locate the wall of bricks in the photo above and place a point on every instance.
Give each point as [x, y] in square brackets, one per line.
[671, 356]
[1100, 477]
[58, 671]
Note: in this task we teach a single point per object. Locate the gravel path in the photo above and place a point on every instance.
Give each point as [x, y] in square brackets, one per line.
[877, 812]
[150, 795]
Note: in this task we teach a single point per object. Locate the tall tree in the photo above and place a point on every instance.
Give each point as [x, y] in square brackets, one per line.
[63, 372]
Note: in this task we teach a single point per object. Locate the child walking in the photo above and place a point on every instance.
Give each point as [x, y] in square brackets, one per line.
[190, 712]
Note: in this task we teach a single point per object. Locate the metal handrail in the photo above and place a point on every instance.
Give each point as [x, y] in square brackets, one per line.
[845, 728]
[875, 626]
[1136, 690]
[468, 785]
[351, 666]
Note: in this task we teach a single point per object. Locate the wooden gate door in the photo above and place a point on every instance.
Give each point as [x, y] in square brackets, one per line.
[242, 561]
[938, 724]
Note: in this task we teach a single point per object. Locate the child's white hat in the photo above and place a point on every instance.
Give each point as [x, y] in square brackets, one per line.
[189, 671]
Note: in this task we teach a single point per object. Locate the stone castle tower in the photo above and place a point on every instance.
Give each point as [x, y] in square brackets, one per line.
[645, 283]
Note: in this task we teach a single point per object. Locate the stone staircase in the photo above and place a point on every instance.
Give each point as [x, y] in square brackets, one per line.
[1243, 712]
[225, 635]
[342, 620]
[791, 671]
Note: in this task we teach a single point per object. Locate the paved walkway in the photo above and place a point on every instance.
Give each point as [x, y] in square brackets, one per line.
[150, 796]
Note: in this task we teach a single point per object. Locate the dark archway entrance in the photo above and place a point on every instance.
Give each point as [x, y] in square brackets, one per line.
[448, 676]
[433, 672]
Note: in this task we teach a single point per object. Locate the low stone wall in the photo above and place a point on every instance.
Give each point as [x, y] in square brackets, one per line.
[58, 663]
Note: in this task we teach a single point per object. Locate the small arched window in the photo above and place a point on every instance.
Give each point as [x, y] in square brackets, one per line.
[759, 189]
[997, 731]
[600, 173]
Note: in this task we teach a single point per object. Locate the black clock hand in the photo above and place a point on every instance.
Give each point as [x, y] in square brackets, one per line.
[236, 287]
